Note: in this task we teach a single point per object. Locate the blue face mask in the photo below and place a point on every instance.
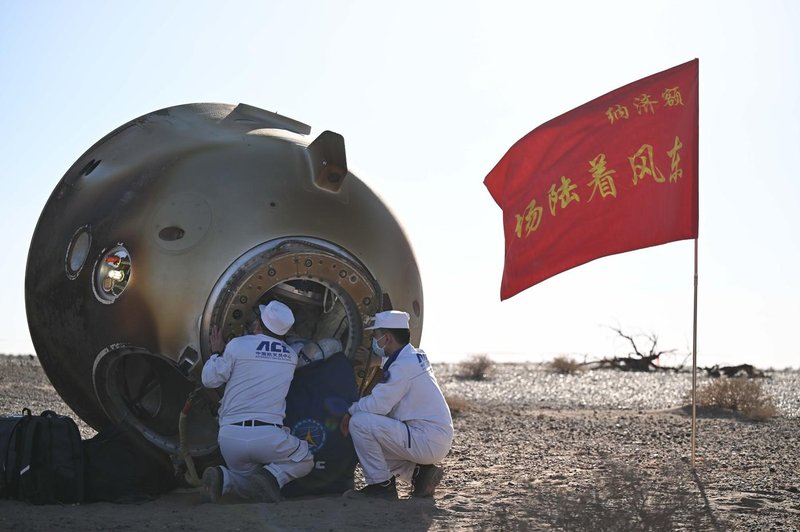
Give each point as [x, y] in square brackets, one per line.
[377, 349]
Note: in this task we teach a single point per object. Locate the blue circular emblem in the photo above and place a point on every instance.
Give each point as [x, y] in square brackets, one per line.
[312, 431]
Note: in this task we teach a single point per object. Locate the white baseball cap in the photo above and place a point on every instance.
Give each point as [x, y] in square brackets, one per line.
[390, 319]
[277, 317]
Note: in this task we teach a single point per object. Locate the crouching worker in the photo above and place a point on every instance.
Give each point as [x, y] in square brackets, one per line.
[403, 428]
[261, 455]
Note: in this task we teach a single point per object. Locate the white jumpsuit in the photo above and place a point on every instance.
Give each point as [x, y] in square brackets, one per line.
[404, 421]
[257, 370]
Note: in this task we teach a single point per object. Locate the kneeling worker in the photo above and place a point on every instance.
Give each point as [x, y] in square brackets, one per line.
[403, 428]
[261, 455]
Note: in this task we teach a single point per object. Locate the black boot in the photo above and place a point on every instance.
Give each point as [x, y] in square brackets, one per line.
[212, 484]
[383, 490]
[425, 480]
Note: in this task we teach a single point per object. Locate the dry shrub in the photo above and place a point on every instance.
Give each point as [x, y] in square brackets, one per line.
[739, 394]
[476, 367]
[564, 365]
[457, 405]
[620, 498]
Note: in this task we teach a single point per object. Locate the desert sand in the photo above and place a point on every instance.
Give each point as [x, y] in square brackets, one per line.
[534, 450]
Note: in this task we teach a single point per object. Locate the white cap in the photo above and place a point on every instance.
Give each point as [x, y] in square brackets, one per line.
[390, 319]
[277, 317]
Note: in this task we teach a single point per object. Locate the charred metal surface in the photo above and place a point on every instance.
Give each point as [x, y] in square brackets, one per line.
[189, 217]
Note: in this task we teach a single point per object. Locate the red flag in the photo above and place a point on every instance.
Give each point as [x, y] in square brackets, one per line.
[616, 174]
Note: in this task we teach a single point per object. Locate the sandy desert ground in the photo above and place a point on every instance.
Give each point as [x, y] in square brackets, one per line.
[534, 450]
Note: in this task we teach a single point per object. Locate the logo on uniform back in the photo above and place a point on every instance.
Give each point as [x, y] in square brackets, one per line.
[422, 358]
[278, 347]
[311, 431]
[273, 350]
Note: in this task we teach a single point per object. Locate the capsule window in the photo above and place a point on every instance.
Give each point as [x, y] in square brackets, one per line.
[77, 252]
[112, 273]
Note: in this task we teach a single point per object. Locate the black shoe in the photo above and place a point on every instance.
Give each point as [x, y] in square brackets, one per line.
[425, 480]
[212, 483]
[267, 487]
[383, 490]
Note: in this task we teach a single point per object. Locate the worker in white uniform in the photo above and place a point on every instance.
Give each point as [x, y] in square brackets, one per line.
[260, 454]
[403, 428]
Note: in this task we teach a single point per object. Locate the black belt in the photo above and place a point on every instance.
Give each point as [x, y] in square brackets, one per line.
[255, 423]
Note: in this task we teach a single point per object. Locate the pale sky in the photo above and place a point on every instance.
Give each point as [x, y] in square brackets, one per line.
[428, 96]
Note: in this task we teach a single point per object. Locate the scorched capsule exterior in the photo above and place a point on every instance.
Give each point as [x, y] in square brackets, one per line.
[190, 217]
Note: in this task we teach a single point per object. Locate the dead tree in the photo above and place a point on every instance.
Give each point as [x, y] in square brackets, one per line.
[638, 361]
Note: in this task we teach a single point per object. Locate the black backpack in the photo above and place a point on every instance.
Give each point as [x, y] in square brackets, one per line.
[9, 473]
[42, 459]
[122, 467]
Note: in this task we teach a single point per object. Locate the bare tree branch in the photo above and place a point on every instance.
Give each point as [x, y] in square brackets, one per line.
[636, 361]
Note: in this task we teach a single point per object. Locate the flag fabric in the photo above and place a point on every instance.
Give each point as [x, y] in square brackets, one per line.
[613, 175]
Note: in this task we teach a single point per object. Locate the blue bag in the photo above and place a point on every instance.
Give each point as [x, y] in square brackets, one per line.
[318, 398]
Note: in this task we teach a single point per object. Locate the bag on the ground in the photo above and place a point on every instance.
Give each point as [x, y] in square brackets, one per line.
[318, 398]
[42, 458]
[9, 473]
[122, 467]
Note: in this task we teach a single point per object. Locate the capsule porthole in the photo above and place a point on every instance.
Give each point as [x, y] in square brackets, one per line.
[77, 252]
[112, 273]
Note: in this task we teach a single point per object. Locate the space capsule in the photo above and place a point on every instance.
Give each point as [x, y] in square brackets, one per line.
[190, 217]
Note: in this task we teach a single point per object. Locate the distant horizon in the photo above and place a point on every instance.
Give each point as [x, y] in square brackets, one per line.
[508, 358]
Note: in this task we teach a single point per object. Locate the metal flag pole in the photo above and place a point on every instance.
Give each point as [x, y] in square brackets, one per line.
[694, 358]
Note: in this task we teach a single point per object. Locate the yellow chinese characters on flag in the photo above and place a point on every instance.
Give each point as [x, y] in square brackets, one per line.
[616, 174]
